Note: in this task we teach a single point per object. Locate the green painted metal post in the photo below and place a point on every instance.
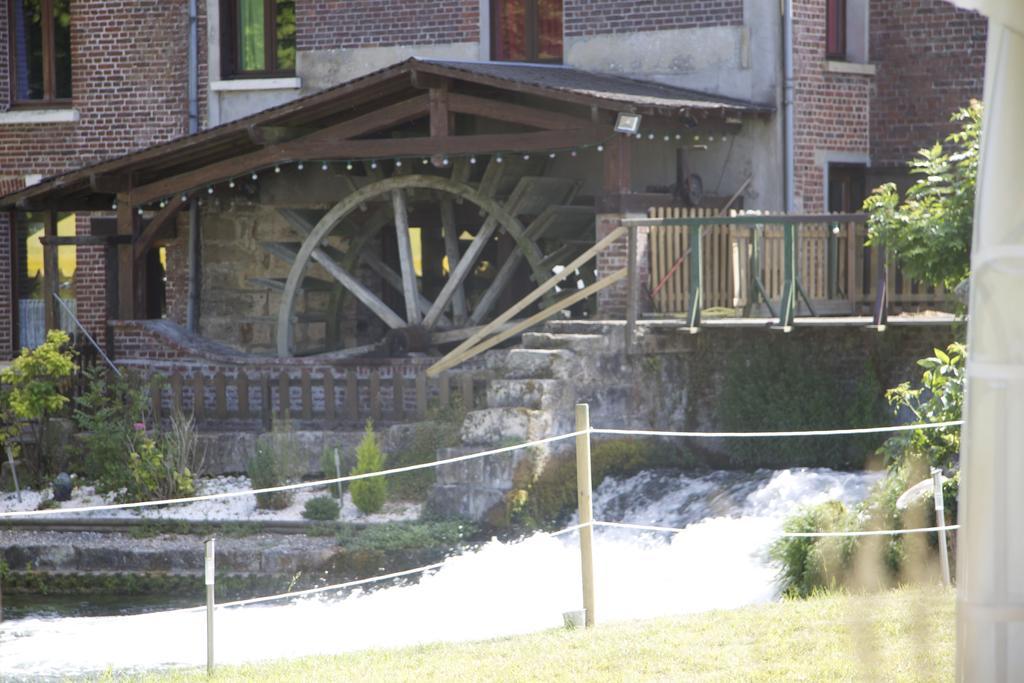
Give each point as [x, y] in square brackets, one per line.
[696, 277]
[787, 307]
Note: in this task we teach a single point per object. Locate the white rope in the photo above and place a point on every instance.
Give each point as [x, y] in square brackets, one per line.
[790, 534]
[287, 487]
[809, 432]
[339, 586]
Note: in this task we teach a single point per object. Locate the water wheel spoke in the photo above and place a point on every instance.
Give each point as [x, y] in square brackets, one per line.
[459, 273]
[393, 279]
[359, 290]
[451, 251]
[410, 287]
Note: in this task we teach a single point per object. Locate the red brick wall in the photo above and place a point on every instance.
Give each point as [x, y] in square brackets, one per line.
[931, 61]
[129, 83]
[831, 110]
[590, 17]
[6, 298]
[332, 24]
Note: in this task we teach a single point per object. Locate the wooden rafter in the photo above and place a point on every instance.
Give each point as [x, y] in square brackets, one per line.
[410, 288]
[305, 148]
[145, 239]
[514, 113]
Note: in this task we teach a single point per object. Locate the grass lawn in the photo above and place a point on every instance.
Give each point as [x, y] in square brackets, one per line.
[902, 635]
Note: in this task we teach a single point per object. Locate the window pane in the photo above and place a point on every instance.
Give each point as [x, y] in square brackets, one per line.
[549, 30]
[251, 54]
[27, 33]
[510, 41]
[62, 48]
[285, 35]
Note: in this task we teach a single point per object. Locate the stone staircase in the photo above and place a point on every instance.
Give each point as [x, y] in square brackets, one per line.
[531, 396]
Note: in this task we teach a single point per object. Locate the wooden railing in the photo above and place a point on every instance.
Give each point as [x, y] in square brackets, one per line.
[327, 396]
[742, 263]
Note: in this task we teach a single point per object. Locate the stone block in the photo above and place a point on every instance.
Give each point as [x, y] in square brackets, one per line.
[505, 425]
[536, 394]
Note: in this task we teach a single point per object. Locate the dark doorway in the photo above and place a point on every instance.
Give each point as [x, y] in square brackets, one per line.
[846, 187]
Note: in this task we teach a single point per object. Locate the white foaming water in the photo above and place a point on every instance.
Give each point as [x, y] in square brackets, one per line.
[719, 561]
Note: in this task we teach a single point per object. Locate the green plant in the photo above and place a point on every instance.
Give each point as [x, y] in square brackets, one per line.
[47, 504]
[778, 389]
[33, 396]
[111, 416]
[321, 509]
[426, 438]
[275, 463]
[930, 232]
[330, 471]
[403, 536]
[938, 398]
[183, 453]
[368, 494]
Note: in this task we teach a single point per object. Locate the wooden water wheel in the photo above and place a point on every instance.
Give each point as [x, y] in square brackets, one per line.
[360, 250]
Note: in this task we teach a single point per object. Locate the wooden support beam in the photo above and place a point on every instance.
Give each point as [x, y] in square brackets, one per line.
[275, 135]
[513, 113]
[461, 271]
[51, 274]
[451, 250]
[110, 183]
[127, 272]
[410, 287]
[618, 159]
[163, 218]
[84, 240]
[440, 117]
[393, 279]
[533, 296]
[307, 148]
[453, 359]
[360, 291]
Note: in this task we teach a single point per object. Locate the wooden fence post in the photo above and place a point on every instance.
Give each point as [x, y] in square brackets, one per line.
[584, 495]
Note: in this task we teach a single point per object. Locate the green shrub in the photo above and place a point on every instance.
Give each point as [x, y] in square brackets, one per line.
[32, 396]
[369, 494]
[322, 509]
[442, 431]
[403, 536]
[275, 463]
[809, 564]
[778, 389]
[108, 416]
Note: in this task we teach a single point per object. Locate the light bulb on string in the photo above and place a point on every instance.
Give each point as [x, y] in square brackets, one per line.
[140, 210]
[231, 183]
[572, 153]
[639, 136]
[600, 148]
[277, 169]
[300, 166]
[323, 166]
[526, 157]
[184, 198]
[551, 156]
[445, 161]
[209, 190]
[398, 163]
[113, 206]
[348, 166]
[472, 160]
[650, 136]
[373, 164]
[679, 136]
[255, 175]
[497, 159]
[667, 138]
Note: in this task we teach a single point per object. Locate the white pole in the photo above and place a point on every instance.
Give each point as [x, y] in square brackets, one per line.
[337, 468]
[586, 508]
[209, 605]
[940, 521]
[990, 545]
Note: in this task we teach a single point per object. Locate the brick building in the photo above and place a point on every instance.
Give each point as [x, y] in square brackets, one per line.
[83, 81]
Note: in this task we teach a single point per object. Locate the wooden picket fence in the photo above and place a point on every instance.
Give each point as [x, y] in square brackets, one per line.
[846, 287]
[325, 396]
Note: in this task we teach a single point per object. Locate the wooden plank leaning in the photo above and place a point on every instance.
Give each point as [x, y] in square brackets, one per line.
[459, 353]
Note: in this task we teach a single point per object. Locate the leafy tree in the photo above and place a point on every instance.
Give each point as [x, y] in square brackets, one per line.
[930, 231]
[34, 380]
[369, 494]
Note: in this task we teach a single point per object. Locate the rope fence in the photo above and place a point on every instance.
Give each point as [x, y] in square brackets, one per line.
[582, 434]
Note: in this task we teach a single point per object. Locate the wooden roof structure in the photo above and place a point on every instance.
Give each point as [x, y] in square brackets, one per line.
[554, 106]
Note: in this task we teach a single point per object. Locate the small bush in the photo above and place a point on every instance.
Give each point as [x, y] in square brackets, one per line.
[809, 564]
[322, 509]
[406, 536]
[369, 494]
[422, 446]
[275, 463]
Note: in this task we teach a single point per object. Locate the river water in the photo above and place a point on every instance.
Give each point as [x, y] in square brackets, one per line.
[501, 588]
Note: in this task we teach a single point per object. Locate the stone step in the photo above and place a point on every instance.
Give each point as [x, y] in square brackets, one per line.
[497, 471]
[537, 394]
[460, 501]
[574, 342]
[538, 364]
[504, 426]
